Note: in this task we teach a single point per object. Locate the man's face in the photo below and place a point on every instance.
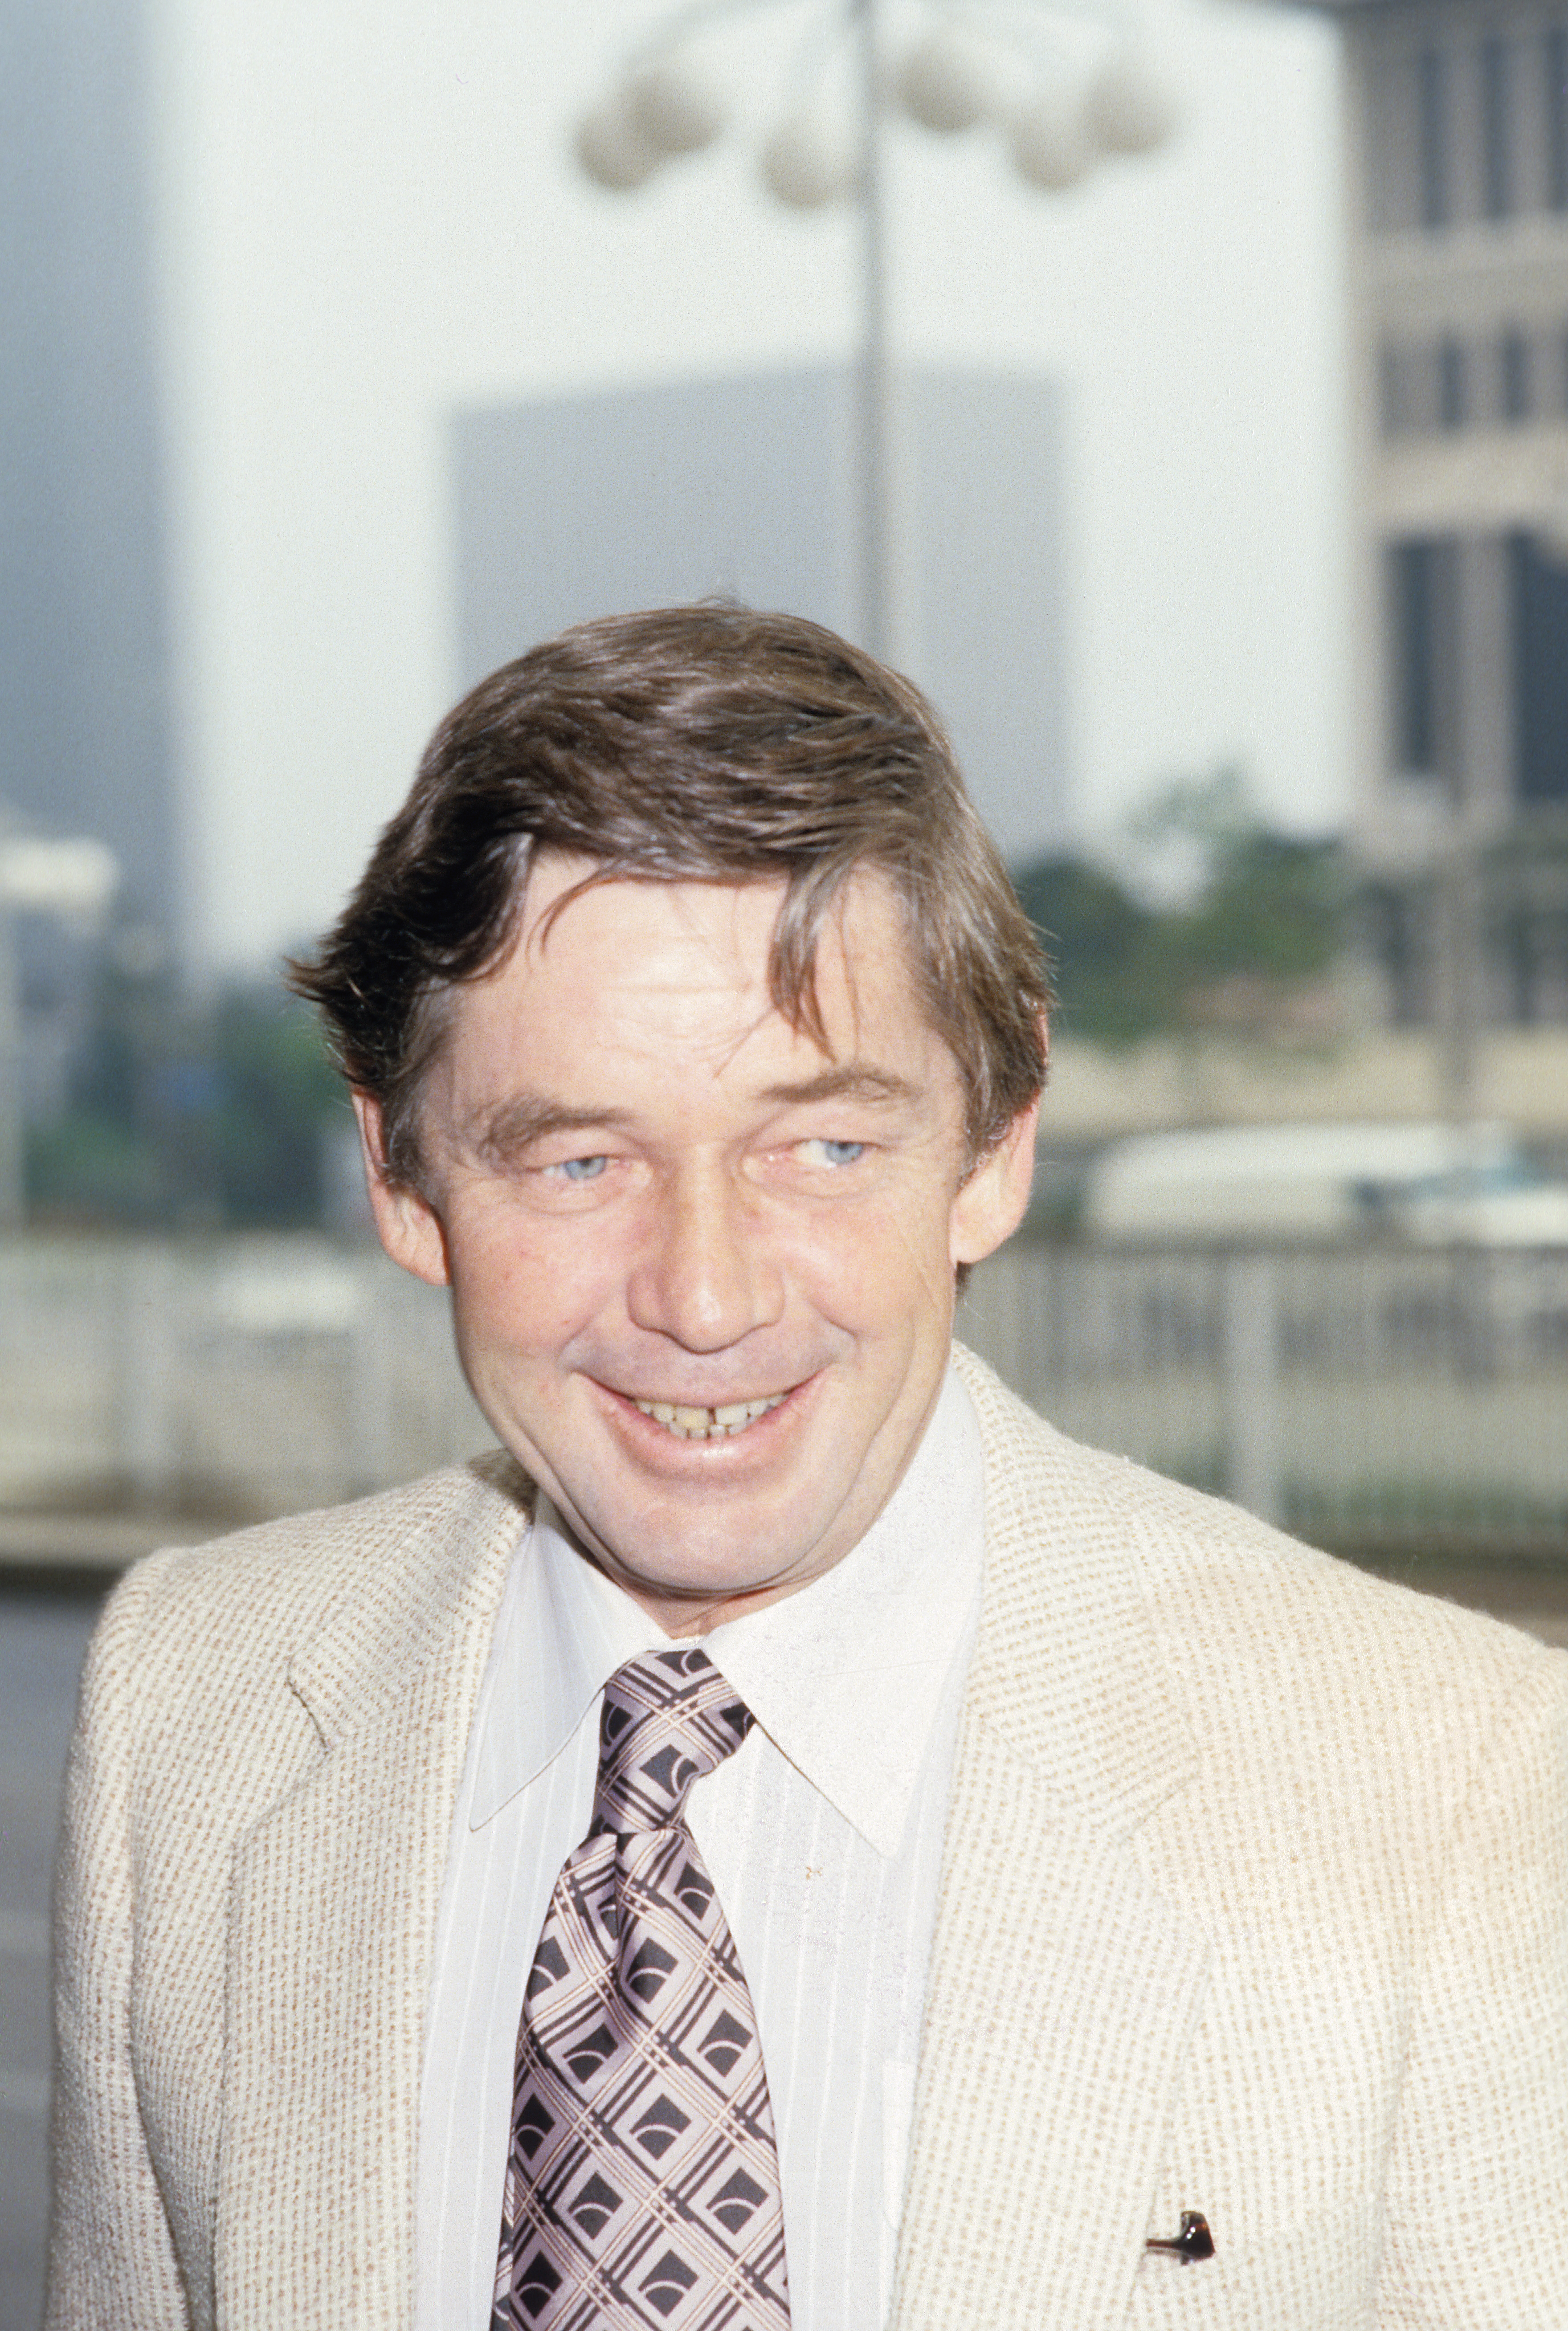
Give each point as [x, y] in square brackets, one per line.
[702, 1270]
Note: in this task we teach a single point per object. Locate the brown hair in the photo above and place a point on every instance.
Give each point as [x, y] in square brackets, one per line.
[703, 743]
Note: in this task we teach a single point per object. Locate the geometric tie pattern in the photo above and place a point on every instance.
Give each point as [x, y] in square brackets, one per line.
[643, 2183]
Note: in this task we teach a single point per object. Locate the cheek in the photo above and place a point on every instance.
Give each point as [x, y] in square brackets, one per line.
[882, 1264]
[519, 1287]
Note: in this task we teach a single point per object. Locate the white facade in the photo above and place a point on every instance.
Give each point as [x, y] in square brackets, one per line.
[369, 222]
[1458, 150]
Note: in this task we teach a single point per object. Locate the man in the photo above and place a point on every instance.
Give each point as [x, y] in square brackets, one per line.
[796, 1842]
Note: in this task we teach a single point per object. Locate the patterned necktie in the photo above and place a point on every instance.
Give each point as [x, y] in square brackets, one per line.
[643, 2183]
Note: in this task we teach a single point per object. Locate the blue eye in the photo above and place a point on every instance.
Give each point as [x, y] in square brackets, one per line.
[583, 1169]
[839, 1153]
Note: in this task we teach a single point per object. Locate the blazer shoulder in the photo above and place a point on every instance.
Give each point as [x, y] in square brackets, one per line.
[1250, 1619]
[245, 1604]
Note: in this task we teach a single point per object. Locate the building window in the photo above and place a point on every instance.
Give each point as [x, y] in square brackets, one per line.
[1557, 117]
[1540, 596]
[1432, 136]
[1452, 386]
[1516, 367]
[1421, 591]
[1496, 158]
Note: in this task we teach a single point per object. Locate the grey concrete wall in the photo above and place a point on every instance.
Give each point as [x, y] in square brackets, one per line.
[574, 506]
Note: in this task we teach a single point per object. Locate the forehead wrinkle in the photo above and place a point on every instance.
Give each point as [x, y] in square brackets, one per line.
[727, 1059]
[728, 973]
[683, 893]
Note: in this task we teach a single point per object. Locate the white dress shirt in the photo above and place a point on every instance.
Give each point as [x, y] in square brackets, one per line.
[822, 1833]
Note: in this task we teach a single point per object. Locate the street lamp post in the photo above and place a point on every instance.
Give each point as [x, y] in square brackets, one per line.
[879, 548]
[1059, 109]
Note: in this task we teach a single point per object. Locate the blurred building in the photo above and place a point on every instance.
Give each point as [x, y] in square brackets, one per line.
[1458, 143]
[84, 701]
[569, 507]
[84, 684]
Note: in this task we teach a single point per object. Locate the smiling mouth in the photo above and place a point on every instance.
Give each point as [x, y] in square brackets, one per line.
[722, 1423]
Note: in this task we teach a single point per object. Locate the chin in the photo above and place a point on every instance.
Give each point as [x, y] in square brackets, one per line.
[680, 1571]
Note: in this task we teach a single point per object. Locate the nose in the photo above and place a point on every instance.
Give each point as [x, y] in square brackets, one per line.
[706, 1276]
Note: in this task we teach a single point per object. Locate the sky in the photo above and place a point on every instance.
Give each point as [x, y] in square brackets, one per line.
[370, 218]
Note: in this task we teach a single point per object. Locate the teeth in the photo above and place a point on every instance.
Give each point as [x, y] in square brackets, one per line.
[709, 1423]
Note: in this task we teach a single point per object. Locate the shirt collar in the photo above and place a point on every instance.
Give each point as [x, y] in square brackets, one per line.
[845, 1677]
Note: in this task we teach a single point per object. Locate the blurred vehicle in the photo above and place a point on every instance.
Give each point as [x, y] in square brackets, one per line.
[1432, 1184]
[1504, 1208]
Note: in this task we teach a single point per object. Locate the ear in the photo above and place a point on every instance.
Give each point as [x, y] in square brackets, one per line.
[991, 1203]
[406, 1223]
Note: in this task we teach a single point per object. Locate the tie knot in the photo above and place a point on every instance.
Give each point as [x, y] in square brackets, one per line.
[668, 1718]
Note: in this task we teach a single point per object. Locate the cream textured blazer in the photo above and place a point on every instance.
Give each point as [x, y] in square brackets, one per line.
[1255, 1902]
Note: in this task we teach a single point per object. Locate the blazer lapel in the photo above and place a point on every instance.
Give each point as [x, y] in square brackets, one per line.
[1063, 1989]
[334, 1905]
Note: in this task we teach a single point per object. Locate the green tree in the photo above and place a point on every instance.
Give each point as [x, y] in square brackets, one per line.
[101, 1158]
[180, 1113]
[276, 1097]
[1257, 919]
[1097, 940]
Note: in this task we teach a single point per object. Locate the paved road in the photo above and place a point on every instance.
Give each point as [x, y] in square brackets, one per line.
[43, 1636]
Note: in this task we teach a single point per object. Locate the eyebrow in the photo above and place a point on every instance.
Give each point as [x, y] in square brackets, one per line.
[853, 1080]
[501, 1132]
[513, 1125]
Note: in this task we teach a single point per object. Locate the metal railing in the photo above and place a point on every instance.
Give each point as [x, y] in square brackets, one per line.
[235, 1378]
[1367, 1397]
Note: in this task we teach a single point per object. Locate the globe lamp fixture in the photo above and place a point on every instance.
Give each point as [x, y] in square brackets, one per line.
[1062, 91]
[1058, 86]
